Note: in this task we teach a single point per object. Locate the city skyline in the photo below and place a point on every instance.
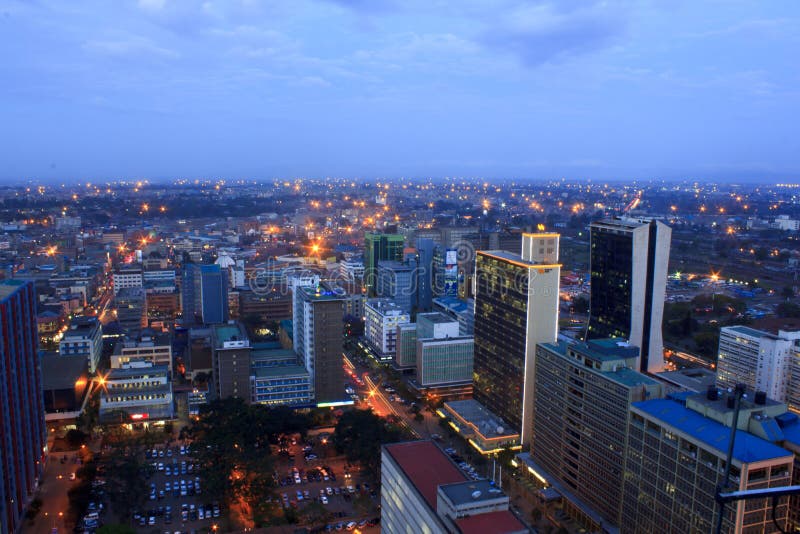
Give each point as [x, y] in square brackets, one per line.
[164, 89]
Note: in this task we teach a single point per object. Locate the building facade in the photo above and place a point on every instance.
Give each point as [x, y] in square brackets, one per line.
[675, 460]
[628, 261]
[381, 319]
[318, 339]
[760, 360]
[583, 393]
[398, 281]
[213, 294]
[23, 444]
[516, 307]
[379, 247]
[231, 361]
[137, 392]
[84, 337]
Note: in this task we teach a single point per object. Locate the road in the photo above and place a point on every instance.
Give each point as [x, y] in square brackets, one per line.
[53, 493]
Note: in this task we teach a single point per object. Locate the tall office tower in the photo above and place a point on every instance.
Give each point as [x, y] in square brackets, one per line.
[190, 293]
[318, 328]
[425, 250]
[22, 429]
[398, 281]
[213, 294]
[760, 360]
[628, 263]
[379, 247]
[516, 307]
[675, 461]
[231, 356]
[583, 393]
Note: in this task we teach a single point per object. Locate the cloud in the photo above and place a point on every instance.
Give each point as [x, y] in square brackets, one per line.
[151, 5]
[130, 46]
[544, 32]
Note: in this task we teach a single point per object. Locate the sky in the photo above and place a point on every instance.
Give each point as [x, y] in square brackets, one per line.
[512, 89]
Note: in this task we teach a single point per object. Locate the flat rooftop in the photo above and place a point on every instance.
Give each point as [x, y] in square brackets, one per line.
[426, 466]
[495, 522]
[464, 492]
[150, 370]
[751, 332]
[487, 423]
[7, 287]
[320, 292]
[279, 371]
[746, 448]
[437, 318]
[224, 333]
[692, 379]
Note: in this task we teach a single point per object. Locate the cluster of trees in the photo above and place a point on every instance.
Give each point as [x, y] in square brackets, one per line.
[231, 444]
[359, 435]
[696, 324]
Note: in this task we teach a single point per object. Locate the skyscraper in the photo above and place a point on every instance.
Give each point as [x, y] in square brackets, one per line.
[379, 247]
[22, 430]
[213, 294]
[318, 328]
[425, 251]
[628, 263]
[516, 307]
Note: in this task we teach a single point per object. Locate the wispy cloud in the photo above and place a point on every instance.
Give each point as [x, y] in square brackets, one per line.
[130, 46]
[549, 32]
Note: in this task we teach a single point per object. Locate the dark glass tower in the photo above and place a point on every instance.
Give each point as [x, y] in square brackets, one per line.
[22, 430]
[628, 263]
[214, 294]
[379, 247]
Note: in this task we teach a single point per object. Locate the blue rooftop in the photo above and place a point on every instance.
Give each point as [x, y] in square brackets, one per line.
[747, 447]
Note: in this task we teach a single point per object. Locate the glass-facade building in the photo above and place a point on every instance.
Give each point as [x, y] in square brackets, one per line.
[379, 247]
[501, 304]
[213, 294]
[628, 267]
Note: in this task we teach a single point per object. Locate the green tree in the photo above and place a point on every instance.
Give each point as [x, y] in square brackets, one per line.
[75, 438]
[359, 435]
[231, 443]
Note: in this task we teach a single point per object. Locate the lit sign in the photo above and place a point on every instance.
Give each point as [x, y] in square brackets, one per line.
[138, 416]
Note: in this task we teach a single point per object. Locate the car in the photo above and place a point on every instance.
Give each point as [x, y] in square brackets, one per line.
[72, 476]
[169, 453]
[323, 499]
[329, 490]
[351, 525]
[200, 513]
[151, 520]
[167, 471]
[167, 487]
[160, 466]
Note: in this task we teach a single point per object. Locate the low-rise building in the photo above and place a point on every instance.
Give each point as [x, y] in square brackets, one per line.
[422, 490]
[84, 337]
[135, 393]
[156, 349]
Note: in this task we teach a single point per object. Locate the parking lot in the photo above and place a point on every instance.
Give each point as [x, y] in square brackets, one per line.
[176, 498]
[306, 474]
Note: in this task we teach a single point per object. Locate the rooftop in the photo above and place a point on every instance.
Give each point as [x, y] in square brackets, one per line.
[747, 331]
[280, 371]
[122, 373]
[426, 466]
[512, 258]
[495, 522]
[436, 318]
[693, 379]
[465, 492]
[474, 413]
[321, 292]
[8, 287]
[746, 448]
[224, 333]
[61, 372]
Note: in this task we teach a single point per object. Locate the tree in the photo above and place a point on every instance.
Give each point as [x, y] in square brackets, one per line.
[76, 438]
[788, 309]
[359, 434]
[787, 292]
[232, 447]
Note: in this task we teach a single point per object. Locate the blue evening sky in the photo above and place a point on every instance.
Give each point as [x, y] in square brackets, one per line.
[108, 89]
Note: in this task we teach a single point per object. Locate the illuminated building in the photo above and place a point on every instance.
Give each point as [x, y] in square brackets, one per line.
[137, 392]
[379, 247]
